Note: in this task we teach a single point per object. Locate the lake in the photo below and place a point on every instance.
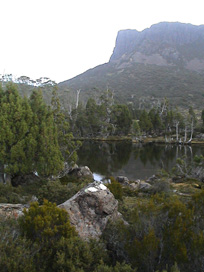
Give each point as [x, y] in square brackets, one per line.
[135, 161]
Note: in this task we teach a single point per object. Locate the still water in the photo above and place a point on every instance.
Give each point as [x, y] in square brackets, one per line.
[135, 161]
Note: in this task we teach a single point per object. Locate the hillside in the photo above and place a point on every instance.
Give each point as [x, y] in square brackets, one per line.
[166, 60]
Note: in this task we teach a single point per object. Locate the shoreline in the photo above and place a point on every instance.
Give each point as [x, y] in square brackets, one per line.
[147, 140]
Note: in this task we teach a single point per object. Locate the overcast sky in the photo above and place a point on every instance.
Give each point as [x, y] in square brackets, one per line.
[60, 39]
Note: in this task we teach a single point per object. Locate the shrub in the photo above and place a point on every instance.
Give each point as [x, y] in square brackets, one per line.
[116, 189]
[46, 223]
[16, 253]
[54, 191]
[160, 186]
[9, 194]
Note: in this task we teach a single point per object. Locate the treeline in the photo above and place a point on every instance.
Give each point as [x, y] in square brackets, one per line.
[104, 118]
[42, 81]
[34, 137]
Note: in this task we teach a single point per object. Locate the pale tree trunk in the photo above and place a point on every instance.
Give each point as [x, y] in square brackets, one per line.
[70, 111]
[177, 126]
[191, 137]
[5, 178]
[77, 100]
[185, 135]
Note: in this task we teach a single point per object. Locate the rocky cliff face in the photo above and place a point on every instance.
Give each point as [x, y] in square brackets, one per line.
[163, 44]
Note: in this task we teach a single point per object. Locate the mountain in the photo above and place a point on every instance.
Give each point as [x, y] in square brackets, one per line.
[165, 60]
[163, 44]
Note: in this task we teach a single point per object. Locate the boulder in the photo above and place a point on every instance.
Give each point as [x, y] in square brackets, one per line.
[90, 209]
[123, 180]
[152, 179]
[144, 185]
[79, 172]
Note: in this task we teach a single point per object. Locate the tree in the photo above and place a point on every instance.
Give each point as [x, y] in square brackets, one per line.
[136, 128]
[65, 138]
[121, 118]
[202, 116]
[48, 158]
[178, 120]
[145, 122]
[28, 135]
[15, 137]
[192, 121]
[155, 119]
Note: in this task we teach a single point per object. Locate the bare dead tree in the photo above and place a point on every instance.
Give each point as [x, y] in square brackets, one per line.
[77, 99]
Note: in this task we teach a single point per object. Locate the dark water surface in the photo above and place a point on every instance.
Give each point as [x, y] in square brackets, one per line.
[135, 161]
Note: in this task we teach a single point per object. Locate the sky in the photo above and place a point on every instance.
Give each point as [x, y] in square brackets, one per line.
[60, 39]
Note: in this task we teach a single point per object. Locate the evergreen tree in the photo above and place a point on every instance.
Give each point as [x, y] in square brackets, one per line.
[48, 158]
[155, 119]
[202, 116]
[121, 118]
[65, 138]
[136, 128]
[93, 117]
[16, 139]
[145, 122]
[28, 135]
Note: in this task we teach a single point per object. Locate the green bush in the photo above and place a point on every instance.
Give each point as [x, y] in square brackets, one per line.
[16, 253]
[116, 189]
[46, 223]
[56, 192]
[160, 186]
[9, 194]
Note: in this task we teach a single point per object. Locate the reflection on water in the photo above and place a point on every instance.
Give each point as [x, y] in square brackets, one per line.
[135, 161]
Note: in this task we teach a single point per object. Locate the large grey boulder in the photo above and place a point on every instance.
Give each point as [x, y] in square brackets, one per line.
[90, 209]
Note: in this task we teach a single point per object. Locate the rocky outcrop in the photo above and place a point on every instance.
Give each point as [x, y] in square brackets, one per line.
[90, 209]
[162, 44]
